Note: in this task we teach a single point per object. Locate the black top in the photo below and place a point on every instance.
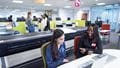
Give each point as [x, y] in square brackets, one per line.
[86, 42]
[98, 23]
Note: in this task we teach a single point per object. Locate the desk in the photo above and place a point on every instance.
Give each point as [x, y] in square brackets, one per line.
[18, 43]
[104, 31]
[113, 64]
[6, 29]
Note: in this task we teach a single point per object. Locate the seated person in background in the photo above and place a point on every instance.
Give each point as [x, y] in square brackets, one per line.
[56, 50]
[10, 18]
[98, 22]
[89, 43]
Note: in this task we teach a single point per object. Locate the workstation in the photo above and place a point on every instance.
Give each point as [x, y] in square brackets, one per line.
[18, 43]
[109, 59]
[27, 25]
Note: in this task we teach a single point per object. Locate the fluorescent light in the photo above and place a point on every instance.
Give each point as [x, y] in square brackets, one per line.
[96, 0]
[47, 4]
[100, 3]
[67, 7]
[39, 1]
[17, 1]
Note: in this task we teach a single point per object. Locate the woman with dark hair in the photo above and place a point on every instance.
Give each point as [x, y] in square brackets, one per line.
[55, 52]
[89, 43]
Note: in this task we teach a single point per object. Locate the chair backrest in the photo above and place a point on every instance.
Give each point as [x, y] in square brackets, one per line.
[76, 42]
[105, 27]
[20, 28]
[43, 52]
[52, 24]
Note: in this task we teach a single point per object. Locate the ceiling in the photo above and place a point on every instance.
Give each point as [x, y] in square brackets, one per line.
[31, 4]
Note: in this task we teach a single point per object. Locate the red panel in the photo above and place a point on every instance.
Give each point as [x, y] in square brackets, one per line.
[76, 42]
[105, 27]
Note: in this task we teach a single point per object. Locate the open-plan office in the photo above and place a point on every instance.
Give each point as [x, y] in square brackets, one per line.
[26, 26]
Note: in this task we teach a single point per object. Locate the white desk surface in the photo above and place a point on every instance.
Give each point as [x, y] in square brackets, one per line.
[113, 64]
[66, 30]
[76, 63]
[104, 30]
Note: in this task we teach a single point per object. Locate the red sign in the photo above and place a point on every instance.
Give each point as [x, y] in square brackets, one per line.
[77, 3]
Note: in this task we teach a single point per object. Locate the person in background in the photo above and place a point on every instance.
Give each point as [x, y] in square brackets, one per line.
[10, 18]
[56, 50]
[43, 22]
[68, 18]
[90, 42]
[47, 27]
[29, 23]
[98, 22]
[35, 18]
[107, 21]
[22, 18]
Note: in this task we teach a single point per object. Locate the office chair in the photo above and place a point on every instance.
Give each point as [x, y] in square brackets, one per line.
[43, 52]
[21, 28]
[105, 31]
[76, 42]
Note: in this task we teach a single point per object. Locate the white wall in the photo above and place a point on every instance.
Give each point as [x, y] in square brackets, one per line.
[65, 13]
[78, 13]
[18, 13]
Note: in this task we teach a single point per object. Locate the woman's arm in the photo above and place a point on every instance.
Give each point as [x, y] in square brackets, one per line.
[81, 51]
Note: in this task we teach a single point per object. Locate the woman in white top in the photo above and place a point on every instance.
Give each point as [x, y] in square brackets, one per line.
[43, 22]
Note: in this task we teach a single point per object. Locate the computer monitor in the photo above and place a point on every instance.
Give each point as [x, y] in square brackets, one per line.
[58, 19]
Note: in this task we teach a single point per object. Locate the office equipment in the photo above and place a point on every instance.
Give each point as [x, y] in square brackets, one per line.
[105, 31]
[20, 19]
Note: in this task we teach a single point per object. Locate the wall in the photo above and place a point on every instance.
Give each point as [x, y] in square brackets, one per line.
[65, 13]
[18, 13]
[108, 12]
[78, 13]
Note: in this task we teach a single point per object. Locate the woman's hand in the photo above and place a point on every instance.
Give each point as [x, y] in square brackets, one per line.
[82, 50]
[65, 60]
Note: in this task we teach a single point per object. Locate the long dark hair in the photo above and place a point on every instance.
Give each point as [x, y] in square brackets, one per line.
[95, 29]
[95, 35]
[56, 34]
